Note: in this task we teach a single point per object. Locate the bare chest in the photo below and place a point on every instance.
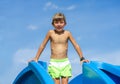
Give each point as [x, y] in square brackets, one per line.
[56, 38]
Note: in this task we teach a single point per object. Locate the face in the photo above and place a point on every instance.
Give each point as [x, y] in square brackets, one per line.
[59, 25]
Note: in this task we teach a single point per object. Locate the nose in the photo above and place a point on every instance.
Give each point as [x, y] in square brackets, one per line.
[58, 23]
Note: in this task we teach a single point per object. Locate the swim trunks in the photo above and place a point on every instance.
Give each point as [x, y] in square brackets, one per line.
[59, 68]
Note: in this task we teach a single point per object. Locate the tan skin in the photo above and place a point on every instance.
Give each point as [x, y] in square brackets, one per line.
[59, 45]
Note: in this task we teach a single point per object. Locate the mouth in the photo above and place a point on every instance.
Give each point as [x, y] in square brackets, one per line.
[59, 27]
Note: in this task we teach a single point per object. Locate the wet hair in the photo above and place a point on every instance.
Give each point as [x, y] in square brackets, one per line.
[58, 16]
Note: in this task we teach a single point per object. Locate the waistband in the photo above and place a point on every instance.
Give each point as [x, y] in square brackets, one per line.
[59, 60]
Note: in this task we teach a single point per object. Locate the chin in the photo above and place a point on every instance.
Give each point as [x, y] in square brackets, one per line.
[59, 30]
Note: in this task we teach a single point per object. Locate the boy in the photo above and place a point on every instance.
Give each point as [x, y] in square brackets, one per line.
[59, 67]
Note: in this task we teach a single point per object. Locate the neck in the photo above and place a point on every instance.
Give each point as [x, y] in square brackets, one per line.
[59, 32]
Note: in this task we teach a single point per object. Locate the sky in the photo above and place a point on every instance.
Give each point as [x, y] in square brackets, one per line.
[95, 25]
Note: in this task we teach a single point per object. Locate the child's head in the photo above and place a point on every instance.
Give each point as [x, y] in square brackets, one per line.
[58, 17]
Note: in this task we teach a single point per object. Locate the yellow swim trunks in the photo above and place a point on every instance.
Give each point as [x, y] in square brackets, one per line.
[59, 68]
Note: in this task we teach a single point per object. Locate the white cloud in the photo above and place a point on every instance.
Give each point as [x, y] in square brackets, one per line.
[72, 7]
[111, 57]
[52, 6]
[23, 55]
[32, 27]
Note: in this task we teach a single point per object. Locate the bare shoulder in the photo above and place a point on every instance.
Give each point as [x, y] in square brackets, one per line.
[50, 31]
[68, 32]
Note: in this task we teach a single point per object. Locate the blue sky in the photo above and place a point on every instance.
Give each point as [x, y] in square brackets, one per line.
[95, 24]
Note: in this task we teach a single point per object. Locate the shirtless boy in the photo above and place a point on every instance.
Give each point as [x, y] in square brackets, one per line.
[59, 67]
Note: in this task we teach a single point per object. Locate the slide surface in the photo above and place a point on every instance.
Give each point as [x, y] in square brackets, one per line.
[98, 73]
[93, 73]
[35, 73]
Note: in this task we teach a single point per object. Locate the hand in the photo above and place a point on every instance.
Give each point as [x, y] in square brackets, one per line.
[33, 60]
[85, 60]
[82, 59]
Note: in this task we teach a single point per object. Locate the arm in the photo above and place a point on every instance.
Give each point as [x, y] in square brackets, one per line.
[77, 48]
[42, 46]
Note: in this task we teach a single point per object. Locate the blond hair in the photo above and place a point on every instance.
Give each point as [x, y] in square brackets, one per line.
[58, 16]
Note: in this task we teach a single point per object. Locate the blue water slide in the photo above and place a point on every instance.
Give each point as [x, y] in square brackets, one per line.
[98, 73]
[34, 73]
[92, 73]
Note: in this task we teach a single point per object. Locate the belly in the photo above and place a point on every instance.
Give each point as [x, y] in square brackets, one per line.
[59, 51]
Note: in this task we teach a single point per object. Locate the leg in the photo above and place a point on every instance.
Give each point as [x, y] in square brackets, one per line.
[64, 80]
[57, 80]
